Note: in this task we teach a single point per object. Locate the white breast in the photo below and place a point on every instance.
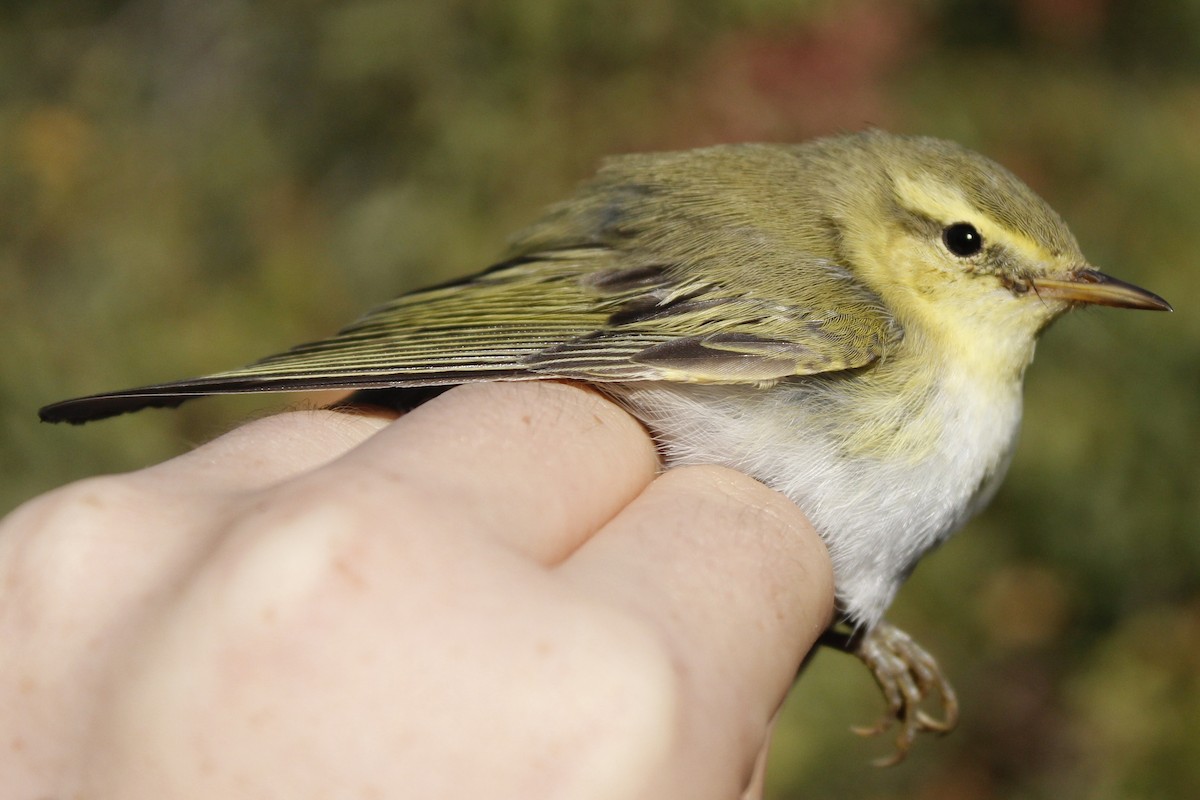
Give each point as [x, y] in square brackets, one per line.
[877, 515]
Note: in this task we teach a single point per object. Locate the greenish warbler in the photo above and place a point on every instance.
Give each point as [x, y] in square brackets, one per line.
[846, 320]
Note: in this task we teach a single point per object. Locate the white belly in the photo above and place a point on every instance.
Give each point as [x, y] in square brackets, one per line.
[877, 514]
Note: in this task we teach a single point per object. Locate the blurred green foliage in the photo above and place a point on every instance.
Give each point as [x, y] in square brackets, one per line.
[186, 185]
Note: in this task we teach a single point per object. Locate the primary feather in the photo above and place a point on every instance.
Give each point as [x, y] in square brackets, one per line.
[611, 286]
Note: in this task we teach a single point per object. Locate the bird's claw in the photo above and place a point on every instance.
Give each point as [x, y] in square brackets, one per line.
[909, 676]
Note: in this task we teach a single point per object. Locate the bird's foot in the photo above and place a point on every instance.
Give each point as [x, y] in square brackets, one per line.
[908, 676]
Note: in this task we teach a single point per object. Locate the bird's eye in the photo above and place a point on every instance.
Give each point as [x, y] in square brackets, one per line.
[962, 239]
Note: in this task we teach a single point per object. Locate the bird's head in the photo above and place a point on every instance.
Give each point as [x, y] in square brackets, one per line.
[961, 249]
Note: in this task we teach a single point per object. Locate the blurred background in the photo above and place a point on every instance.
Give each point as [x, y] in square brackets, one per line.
[186, 185]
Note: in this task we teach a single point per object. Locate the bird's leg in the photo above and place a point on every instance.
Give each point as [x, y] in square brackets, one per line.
[908, 676]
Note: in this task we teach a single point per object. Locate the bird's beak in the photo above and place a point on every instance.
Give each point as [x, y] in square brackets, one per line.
[1090, 285]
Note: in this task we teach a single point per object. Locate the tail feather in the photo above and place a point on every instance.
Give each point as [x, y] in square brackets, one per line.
[169, 395]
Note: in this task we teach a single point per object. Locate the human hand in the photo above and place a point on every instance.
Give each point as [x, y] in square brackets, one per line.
[495, 596]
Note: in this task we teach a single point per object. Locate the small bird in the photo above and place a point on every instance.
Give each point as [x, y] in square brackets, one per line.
[847, 320]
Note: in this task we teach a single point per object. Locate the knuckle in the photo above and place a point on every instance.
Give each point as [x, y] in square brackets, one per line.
[302, 543]
[54, 548]
[348, 500]
[79, 510]
[630, 702]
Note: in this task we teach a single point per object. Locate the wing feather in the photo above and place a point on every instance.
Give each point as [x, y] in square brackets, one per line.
[576, 313]
[642, 276]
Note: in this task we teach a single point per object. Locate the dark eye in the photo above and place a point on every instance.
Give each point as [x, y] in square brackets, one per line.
[962, 239]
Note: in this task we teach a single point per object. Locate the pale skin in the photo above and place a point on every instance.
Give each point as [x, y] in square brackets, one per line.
[497, 595]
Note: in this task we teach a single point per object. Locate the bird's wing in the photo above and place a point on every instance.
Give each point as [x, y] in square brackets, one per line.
[582, 313]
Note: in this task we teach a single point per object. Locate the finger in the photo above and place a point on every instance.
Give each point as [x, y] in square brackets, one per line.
[116, 536]
[740, 586]
[537, 466]
[268, 450]
[758, 778]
